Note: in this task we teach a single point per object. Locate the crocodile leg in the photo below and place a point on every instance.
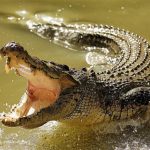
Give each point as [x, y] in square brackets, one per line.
[136, 96]
[135, 104]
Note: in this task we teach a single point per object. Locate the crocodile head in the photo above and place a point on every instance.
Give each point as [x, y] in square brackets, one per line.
[46, 81]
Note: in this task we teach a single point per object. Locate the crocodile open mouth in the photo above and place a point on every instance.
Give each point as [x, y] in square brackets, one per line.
[42, 89]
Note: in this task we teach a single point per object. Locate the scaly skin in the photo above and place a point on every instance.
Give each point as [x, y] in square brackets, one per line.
[118, 94]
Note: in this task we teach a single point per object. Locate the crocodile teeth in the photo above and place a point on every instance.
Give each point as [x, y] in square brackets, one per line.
[24, 70]
[0, 57]
[7, 68]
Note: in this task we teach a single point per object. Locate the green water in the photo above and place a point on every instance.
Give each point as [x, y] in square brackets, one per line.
[127, 14]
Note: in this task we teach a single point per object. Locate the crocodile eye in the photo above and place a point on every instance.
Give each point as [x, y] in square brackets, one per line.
[84, 69]
[66, 67]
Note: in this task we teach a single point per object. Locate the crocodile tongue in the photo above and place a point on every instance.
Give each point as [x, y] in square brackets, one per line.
[41, 92]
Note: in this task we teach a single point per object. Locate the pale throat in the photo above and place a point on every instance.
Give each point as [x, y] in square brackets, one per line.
[41, 92]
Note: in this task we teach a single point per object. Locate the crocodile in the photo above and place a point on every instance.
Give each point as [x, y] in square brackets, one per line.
[82, 96]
